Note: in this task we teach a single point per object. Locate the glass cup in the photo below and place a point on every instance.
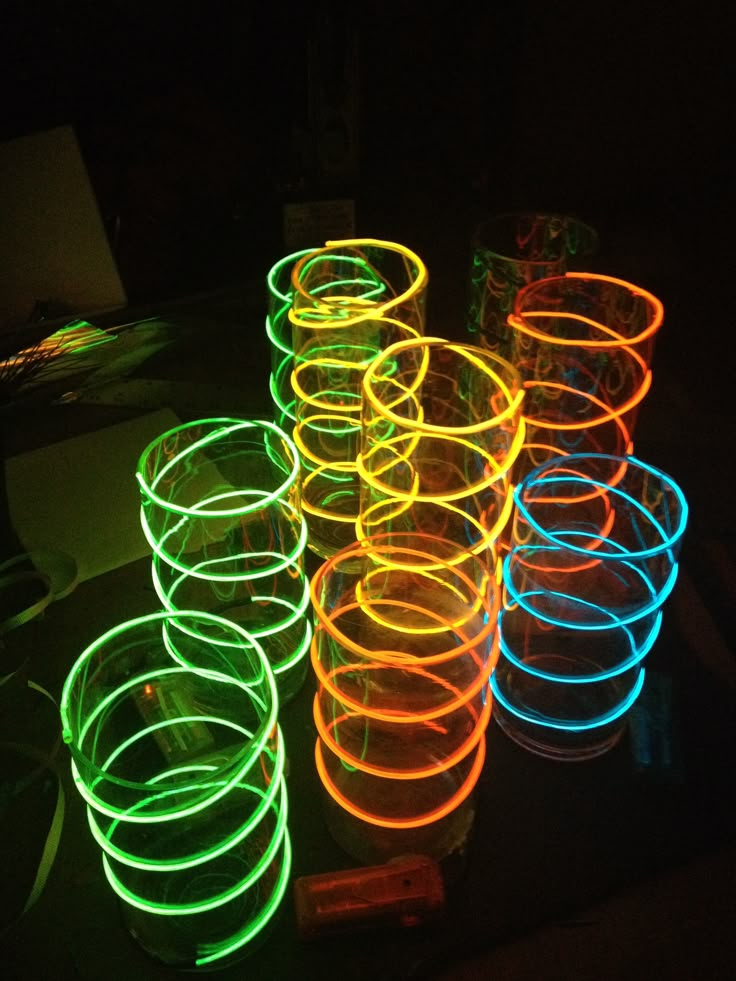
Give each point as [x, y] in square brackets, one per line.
[442, 428]
[171, 724]
[351, 300]
[511, 250]
[593, 558]
[221, 511]
[403, 649]
[583, 345]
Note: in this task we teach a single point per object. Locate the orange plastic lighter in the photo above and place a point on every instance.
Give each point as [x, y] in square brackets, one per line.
[405, 892]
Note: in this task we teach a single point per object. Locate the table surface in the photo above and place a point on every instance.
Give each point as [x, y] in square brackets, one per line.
[549, 841]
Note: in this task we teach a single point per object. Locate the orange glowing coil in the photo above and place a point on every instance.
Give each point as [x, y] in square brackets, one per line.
[342, 731]
[582, 344]
[624, 313]
[371, 791]
[403, 650]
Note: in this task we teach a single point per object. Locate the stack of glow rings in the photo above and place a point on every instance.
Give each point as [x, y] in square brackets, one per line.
[176, 751]
[221, 511]
[351, 300]
[442, 429]
[404, 644]
[582, 344]
[593, 558]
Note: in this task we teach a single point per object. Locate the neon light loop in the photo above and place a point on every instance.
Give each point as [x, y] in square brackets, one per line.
[591, 288]
[291, 614]
[329, 734]
[557, 471]
[304, 288]
[76, 729]
[460, 794]
[219, 430]
[226, 547]
[278, 326]
[637, 655]
[433, 457]
[177, 909]
[581, 725]
[415, 660]
[522, 597]
[554, 602]
[342, 316]
[107, 842]
[238, 803]
[582, 341]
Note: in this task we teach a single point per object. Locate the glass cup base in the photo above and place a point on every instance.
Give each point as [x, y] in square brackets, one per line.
[559, 744]
[373, 844]
[148, 939]
[218, 937]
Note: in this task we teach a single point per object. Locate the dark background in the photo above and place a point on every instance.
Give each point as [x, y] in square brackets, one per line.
[193, 119]
[189, 117]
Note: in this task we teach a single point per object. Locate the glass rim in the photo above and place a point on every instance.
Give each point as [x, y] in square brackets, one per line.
[534, 478]
[278, 266]
[231, 425]
[372, 312]
[547, 215]
[475, 353]
[517, 319]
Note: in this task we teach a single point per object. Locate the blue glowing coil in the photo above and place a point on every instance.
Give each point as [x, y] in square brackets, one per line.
[593, 558]
[581, 725]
